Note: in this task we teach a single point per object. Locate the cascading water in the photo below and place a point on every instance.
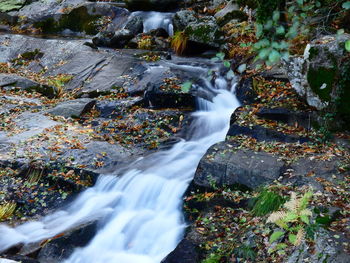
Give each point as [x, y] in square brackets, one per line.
[140, 212]
[155, 20]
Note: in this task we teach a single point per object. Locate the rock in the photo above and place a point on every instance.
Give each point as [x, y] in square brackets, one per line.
[264, 134]
[99, 156]
[183, 18]
[109, 109]
[79, 18]
[73, 108]
[292, 118]
[135, 25]
[224, 167]
[205, 31]
[121, 38]
[10, 5]
[59, 249]
[322, 76]
[12, 80]
[157, 5]
[326, 249]
[158, 99]
[230, 12]
[245, 92]
[186, 251]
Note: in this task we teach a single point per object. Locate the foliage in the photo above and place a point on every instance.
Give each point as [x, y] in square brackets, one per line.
[292, 220]
[245, 252]
[280, 22]
[145, 43]
[179, 42]
[59, 83]
[266, 202]
[7, 210]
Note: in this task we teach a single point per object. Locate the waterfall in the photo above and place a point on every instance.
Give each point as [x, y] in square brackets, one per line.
[140, 213]
[153, 20]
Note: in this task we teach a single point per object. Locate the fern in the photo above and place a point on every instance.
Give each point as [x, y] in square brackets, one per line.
[293, 218]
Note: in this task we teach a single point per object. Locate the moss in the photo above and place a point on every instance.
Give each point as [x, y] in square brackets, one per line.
[78, 20]
[201, 33]
[316, 77]
[313, 53]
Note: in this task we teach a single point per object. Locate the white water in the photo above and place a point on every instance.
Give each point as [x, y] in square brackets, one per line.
[140, 212]
[154, 20]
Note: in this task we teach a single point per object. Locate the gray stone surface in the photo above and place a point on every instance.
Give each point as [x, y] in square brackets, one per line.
[222, 166]
[73, 108]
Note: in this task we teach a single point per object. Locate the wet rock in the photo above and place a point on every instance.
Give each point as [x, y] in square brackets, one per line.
[223, 166]
[59, 249]
[264, 134]
[186, 251]
[73, 108]
[230, 12]
[158, 99]
[135, 25]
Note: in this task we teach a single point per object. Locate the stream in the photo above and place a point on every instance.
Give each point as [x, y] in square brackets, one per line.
[139, 214]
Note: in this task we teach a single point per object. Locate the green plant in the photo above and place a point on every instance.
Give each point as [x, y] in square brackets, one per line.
[292, 219]
[266, 202]
[245, 252]
[179, 42]
[59, 83]
[279, 22]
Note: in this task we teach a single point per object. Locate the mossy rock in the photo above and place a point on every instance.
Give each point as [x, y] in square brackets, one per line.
[78, 20]
[10, 5]
[204, 32]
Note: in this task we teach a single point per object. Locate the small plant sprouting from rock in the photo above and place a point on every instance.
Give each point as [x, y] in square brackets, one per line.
[59, 83]
[292, 219]
[179, 42]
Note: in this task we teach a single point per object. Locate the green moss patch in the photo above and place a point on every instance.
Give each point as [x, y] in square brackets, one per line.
[317, 77]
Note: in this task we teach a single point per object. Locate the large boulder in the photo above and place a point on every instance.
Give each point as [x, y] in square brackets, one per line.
[221, 166]
[204, 32]
[322, 76]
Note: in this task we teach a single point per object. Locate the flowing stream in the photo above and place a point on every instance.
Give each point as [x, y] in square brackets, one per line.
[140, 213]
